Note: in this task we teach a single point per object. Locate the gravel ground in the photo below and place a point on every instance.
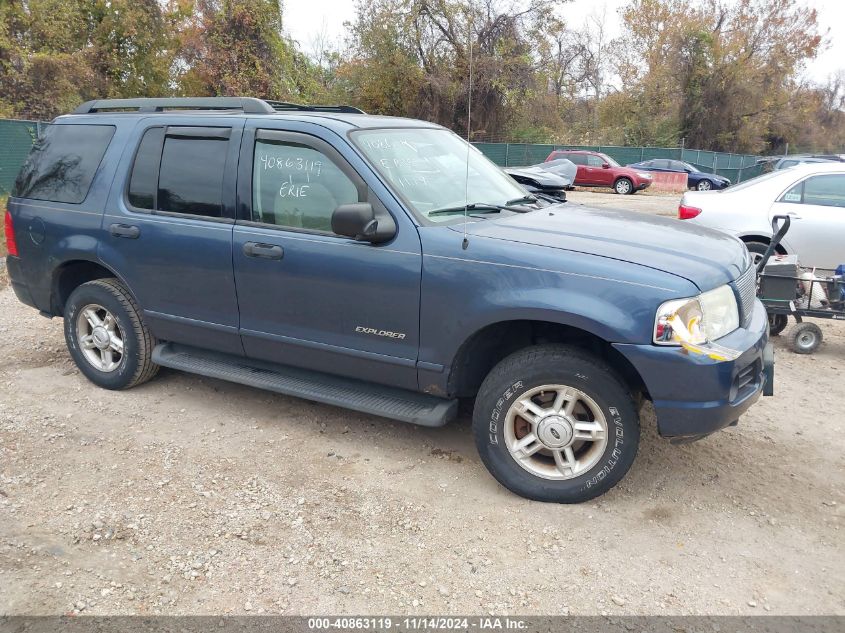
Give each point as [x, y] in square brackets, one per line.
[644, 201]
[190, 495]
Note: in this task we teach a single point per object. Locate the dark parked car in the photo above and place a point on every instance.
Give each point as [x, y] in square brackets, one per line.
[600, 170]
[696, 179]
[540, 181]
[326, 254]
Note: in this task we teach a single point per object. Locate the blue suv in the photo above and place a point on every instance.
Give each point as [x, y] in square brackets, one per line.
[383, 265]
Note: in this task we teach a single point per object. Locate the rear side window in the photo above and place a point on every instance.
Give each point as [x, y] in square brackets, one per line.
[578, 159]
[180, 170]
[63, 163]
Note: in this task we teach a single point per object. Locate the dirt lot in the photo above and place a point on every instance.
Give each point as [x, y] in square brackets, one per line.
[190, 495]
[644, 201]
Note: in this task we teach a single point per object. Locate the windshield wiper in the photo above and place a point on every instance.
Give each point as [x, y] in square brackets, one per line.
[522, 200]
[482, 207]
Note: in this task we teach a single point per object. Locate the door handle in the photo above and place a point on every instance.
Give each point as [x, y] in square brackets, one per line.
[125, 230]
[264, 251]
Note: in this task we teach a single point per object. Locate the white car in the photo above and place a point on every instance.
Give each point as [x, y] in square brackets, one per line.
[812, 194]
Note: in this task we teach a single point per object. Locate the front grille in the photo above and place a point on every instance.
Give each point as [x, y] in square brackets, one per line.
[746, 290]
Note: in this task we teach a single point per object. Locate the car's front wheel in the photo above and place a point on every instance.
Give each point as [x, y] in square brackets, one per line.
[107, 337]
[623, 186]
[554, 423]
[704, 185]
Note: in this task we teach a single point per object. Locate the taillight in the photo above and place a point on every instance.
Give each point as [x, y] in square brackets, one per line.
[687, 213]
[11, 245]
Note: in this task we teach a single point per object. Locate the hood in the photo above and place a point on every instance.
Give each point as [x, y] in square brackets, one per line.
[538, 177]
[705, 257]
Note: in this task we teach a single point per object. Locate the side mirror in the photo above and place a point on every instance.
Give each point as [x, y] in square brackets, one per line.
[361, 222]
[605, 165]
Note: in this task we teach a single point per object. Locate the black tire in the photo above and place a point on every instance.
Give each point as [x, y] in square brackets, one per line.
[757, 250]
[777, 323]
[704, 185]
[135, 365]
[623, 186]
[805, 338]
[559, 365]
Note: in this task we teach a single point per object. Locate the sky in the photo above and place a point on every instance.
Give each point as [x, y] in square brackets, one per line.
[306, 19]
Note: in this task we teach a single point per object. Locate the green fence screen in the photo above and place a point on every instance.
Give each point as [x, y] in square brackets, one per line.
[16, 139]
[737, 167]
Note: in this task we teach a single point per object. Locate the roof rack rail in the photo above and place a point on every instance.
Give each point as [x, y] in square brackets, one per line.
[247, 105]
[284, 106]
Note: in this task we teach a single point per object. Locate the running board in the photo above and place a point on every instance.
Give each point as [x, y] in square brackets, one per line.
[388, 402]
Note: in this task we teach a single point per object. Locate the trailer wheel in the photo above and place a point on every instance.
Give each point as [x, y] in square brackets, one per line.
[777, 323]
[805, 338]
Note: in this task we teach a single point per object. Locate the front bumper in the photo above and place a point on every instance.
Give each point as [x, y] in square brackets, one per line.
[693, 395]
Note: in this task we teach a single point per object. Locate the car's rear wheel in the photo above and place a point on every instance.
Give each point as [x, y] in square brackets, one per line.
[107, 337]
[554, 423]
[704, 185]
[623, 186]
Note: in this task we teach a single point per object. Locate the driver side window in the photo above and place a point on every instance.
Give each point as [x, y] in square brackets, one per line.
[297, 186]
[594, 161]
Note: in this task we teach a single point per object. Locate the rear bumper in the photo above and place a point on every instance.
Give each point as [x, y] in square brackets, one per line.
[22, 292]
[693, 395]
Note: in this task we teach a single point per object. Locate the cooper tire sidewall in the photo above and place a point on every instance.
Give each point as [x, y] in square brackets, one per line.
[121, 376]
[622, 426]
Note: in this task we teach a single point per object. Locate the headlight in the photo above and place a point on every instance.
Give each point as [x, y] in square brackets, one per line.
[644, 174]
[698, 320]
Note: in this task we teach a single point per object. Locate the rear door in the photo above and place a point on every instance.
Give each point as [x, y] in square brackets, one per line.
[308, 297]
[168, 228]
[580, 162]
[817, 208]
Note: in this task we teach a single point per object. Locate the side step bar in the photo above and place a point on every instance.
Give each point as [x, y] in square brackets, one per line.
[388, 402]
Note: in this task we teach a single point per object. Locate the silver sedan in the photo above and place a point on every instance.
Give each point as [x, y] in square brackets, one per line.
[812, 194]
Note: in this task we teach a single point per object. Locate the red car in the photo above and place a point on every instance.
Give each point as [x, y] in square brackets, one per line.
[600, 170]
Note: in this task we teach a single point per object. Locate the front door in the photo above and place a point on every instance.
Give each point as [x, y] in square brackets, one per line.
[817, 208]
[307, 296]
[168, 229]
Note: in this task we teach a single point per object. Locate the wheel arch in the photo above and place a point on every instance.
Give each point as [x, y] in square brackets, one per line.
[489, 345]
[71, 274]
[755, 237]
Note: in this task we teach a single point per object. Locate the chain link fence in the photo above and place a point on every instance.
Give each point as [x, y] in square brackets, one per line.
[737, 167]
[16, 139]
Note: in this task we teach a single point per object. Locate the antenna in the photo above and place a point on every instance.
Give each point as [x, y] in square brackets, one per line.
[465, 243]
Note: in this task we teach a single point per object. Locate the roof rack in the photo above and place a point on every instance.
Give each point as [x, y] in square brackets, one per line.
[284, 106]
[247, 105]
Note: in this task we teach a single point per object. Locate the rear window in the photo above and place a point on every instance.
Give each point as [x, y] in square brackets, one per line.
[63, 162]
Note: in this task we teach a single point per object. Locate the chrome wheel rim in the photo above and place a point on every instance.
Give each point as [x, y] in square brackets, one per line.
[100, 338]
[555, 432]
[806, 340]
[704, 185]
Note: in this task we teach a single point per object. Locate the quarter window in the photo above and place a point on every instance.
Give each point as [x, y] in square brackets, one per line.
[297, 186]
[63, 163]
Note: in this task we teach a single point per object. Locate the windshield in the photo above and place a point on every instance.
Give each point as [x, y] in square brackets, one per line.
[689, 167]
[428, 167]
